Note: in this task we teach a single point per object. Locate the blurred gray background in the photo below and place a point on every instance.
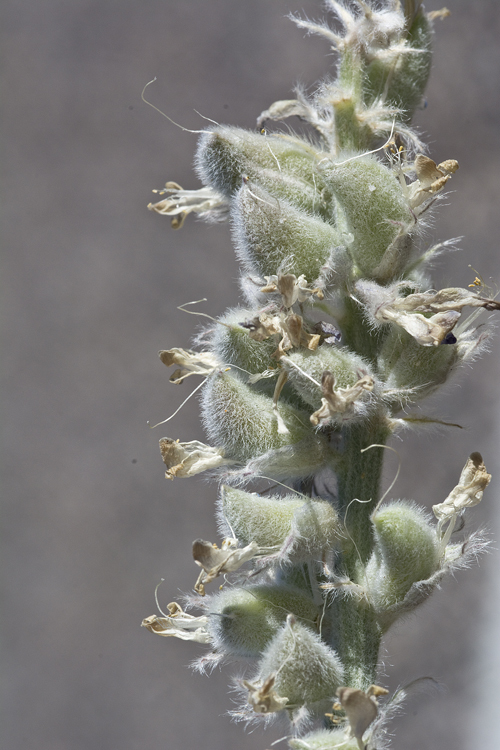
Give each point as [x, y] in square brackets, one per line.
[91, 285]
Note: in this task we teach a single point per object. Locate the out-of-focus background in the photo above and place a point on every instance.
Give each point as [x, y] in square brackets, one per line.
[91, 285]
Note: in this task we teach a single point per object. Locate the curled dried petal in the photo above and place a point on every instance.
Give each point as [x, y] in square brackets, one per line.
[263, 699]
[431, 178]
[215, 561]
[468, 492]
[291, 288]
[340, 400]
[361, 708]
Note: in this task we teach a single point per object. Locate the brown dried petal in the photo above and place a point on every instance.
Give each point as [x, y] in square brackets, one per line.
[262, 326]
[360, 708]
[183, 626]
[338, 401]
[215, 561]
[264, 700]
[443, 13]
[448, 166]
[288, 288]
[208, 555]
[426, 170]
[451, 298]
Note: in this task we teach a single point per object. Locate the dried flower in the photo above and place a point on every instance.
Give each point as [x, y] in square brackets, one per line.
[339, 401]
[205, 202]
[262, 698]
[431, 179]
[191, 363]
[468, 492]
[361, 709]
[188, 459]
[291, 288]
[215, 561]
[179, 625]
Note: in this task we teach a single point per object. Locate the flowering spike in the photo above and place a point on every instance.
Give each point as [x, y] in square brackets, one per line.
[302, 386]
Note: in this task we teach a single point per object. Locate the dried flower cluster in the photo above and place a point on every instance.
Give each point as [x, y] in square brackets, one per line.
[341, 332]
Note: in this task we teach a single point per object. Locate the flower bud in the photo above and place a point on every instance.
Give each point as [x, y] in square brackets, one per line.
[306, 670]
[301, 460]
[244, 423]
[406, 551]
[227, 154]
[243, 621]
[375, 207]
[346, 367]
[270, 233]
[315, 199]
[309, 526]
[232, 345]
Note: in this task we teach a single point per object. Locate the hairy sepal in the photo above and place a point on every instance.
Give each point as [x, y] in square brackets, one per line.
[243, 621]
[243, 422]
[232, 345]
[307, 671]
[408, 366]
[346, 367]
[376, 211]
[226, 155]
[271, 234]
[298, 527]
[406, 551]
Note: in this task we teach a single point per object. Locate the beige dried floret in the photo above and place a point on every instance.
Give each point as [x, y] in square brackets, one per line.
[263, 699]
[215, 561]
[468, 492]
[360, 708]
[291, 288]
[183, 202]
[179, 625]
[188, 459]
[340, 400]
[191, 363]
[431, 179]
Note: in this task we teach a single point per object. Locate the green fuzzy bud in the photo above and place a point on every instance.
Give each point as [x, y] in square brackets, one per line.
[232, 345]
[376, 210]
[310, 526]
[243, 621]
[226, 155]
[406, 551]
[402, 77]
[307, 671]
[405, 364]
[243, 422]
[270, 233]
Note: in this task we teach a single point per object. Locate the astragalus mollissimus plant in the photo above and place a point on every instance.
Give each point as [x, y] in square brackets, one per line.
[341, 333]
